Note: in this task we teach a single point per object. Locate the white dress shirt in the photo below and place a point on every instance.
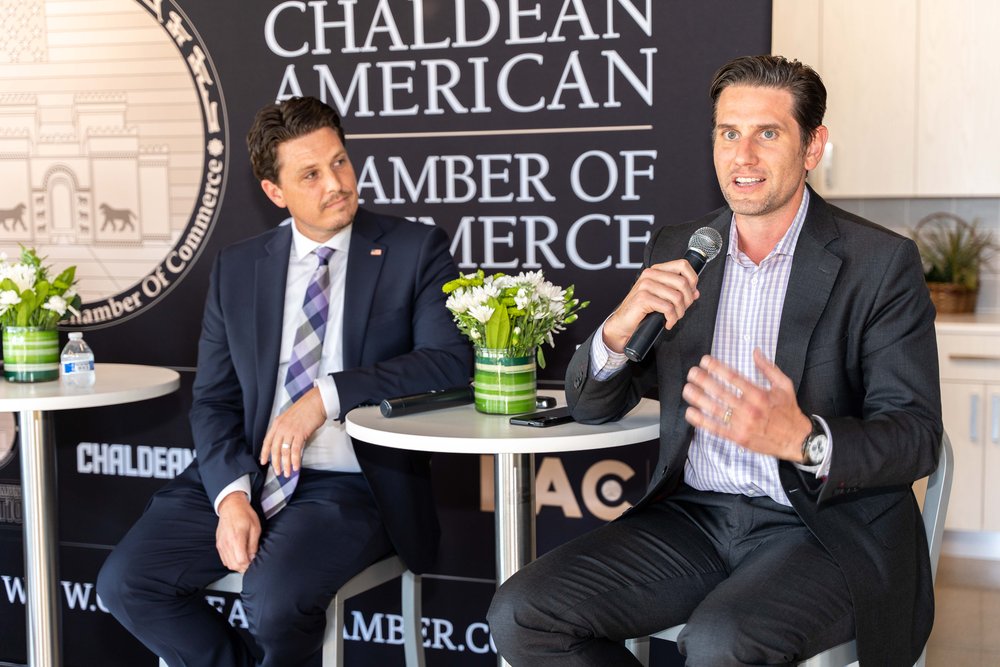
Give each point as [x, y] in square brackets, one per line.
[329, 448]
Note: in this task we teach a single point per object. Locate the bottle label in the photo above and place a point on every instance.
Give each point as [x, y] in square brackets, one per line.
[77, 366]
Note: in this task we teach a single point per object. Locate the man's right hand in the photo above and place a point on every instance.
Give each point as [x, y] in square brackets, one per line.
[669, 288]
[238, 532]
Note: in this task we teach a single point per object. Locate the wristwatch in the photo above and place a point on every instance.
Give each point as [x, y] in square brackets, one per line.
[815, 445]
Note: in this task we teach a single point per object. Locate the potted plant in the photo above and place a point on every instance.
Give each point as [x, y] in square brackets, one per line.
[508, 318]
[31, 304]
[954, 252]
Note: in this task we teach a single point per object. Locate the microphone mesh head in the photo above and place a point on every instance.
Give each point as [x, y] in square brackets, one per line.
[707, 241]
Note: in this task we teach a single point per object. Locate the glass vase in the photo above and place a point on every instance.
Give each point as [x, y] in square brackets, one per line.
[30, 354]
[504, 384]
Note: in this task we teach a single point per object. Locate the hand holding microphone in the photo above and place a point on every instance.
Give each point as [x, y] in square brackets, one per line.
[703, 246]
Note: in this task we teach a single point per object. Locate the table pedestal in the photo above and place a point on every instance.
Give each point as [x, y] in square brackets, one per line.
[41, 550]
[464, 430]
[514, 489]
[514, 484]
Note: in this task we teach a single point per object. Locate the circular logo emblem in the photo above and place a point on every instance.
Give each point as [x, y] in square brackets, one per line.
[119, 171]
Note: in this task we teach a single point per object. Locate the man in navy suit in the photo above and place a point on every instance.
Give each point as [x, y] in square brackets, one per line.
[386, 333]
[799, 400]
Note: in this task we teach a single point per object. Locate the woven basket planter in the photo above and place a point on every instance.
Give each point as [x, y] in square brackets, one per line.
[950, 298]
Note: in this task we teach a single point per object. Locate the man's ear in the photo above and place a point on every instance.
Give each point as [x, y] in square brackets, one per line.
[816, 147]
[273, 192]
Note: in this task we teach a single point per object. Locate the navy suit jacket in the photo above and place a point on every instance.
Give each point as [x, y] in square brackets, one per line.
[857, 340]
[399, 339]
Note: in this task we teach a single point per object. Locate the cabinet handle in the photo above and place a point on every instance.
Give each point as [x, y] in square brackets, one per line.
[995, 420]
[972, 357]
[974, 419]
[828, 166]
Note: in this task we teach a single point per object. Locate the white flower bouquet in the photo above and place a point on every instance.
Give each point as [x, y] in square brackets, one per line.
[30, 298]
[513, 313]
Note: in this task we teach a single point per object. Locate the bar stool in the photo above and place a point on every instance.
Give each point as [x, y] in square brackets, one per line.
[372, 576]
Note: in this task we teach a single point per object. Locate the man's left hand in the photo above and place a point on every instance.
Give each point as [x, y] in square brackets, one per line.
[727, 404]
[286, 439]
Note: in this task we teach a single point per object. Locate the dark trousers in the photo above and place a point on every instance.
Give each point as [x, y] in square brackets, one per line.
[747, 577]
[152, 582]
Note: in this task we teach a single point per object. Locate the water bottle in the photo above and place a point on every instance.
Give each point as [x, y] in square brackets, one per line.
[76, 364]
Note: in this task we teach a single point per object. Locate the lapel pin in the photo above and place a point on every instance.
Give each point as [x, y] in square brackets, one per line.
[375, 252]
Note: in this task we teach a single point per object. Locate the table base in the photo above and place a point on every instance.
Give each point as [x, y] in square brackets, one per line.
[41, 568]
[514, 489]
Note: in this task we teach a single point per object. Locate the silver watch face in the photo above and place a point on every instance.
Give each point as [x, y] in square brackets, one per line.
[816, 448]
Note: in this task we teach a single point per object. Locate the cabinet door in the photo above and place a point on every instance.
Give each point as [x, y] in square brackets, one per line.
[865, 53]
[795, 30]
[867, 63]
[957, 98]
[962, 404]
[991, 445]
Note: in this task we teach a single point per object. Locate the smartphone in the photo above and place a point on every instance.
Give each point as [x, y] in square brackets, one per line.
[543, 418]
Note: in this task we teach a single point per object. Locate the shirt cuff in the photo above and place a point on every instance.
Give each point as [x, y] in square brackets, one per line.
[604, 362]
[331, 397]
[240, 484]
[821, 469]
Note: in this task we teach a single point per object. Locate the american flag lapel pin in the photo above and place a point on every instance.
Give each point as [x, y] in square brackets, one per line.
[375, 252]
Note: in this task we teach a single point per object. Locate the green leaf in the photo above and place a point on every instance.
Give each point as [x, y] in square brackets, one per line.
[42, 291]
[26, 307]
[498, 326]
[65, 279]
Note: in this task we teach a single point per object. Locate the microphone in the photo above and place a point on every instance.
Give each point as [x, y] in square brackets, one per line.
[703, 246]
[429, 400]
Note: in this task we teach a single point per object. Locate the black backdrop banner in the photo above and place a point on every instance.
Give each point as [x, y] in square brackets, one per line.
[547, 136]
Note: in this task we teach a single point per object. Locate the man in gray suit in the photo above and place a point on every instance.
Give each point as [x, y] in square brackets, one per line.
[798, 386]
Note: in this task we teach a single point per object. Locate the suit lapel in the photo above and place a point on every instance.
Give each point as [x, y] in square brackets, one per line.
[365, 259]
[270, 275]
[698, 326]
[814, 272]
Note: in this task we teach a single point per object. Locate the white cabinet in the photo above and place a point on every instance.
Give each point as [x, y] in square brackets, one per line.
[969, 353]
[909, 108]
[957, 98]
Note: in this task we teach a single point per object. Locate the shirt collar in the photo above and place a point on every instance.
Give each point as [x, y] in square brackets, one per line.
[302, 245]
[786, 246]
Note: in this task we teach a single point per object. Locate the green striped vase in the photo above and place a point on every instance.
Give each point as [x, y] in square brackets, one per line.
[504, 385]
[30, 354]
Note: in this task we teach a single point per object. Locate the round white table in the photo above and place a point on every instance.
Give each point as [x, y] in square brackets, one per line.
[115, 384]
[463, 430]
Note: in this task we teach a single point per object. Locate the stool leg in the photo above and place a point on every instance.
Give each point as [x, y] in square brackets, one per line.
[639, 648]
[412, 620]
[333, 646]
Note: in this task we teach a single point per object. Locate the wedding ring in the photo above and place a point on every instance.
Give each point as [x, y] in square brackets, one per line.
[286, 445]
[727, 416]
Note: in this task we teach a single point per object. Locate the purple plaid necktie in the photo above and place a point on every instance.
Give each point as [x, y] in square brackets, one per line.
[302, 369]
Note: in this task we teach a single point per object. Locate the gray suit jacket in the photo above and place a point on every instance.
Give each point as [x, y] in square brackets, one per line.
[857, 339]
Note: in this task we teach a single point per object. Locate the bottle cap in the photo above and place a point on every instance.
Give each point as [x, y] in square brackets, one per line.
[75, 335]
